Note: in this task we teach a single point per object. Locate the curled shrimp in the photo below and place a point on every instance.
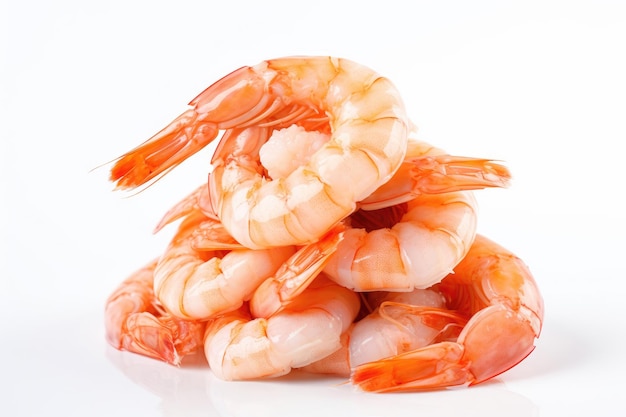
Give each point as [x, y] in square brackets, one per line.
[417, 246]
[414, 229]
[496, 292]
[239, 346]
[368, 135]
[135, 321]
[194, 281]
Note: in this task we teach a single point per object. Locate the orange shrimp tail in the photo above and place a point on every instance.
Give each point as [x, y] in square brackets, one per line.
[436, 175]
[497, 339]
[185, 136]
[136, 322]
[445, 173]
[295, 275]
[163, 338]
[435, 366]
[147, 336]
[238, 99]
[498, 291]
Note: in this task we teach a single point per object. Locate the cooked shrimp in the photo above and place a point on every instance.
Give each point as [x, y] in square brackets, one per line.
[368, 136]
[496, 292]
[193, 281]
[400, 322]
[407, 246]
[239, 347]
[295, 275]
[414, 229]
[429, 170]
[135, 321]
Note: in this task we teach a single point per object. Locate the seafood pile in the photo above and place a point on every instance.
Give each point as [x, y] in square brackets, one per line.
[327, 238]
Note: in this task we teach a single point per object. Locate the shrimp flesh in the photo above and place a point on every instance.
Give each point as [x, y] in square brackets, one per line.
[238, 346]
[135, 321]
[407, 246]
[496, 292]
[400, 322]
[194, 282]
[414, 229]
[368, 136]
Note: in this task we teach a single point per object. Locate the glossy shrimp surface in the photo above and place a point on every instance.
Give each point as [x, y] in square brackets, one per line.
[324, 237]
[414, 229]
[368, 136]
[193, 280]
[497, 294]
[239, 346]
[399, 322]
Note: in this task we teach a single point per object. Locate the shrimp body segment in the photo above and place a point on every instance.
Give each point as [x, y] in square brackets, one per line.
[496, 292]
[135, 321]
[415, 228]
[368, 136]
[400, 322]
[428, 237]
[240, 347]
[196, 283]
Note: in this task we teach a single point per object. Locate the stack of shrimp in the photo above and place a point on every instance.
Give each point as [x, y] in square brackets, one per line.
[327, 238]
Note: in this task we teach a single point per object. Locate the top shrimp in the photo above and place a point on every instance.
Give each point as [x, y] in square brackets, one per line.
[368, 136]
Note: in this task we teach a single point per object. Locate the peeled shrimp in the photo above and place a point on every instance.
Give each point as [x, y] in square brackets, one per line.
[368, 136]
[309, 328]
[399, 322]
[194, 282]
[135, 321]
[402, 322]
[496, 292]
[414, 229]
[416, 246]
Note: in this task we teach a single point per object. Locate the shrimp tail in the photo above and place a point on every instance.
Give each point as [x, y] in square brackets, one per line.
[431, 367]
[493, 287]
[437, 174]
[497, 339]
[135, 322]
[183, 137]
[239, 98]
[163, 338]
[146, 335]
[295, 275]
[445, 173]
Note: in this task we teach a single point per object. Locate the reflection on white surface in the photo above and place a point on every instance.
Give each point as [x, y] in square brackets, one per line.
[192, 390]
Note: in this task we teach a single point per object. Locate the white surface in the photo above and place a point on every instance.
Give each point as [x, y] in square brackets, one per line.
[537, 84]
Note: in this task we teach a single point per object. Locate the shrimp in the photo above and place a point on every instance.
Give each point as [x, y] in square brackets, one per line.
[368, 135]
[495, 290]
[407, 246]
[414, 229]
[239, 347]
[295, 275]
[193, 282]
[430, 170]
[400, 322]
[135, 321]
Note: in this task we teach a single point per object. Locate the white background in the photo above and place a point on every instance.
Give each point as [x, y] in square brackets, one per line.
[540, 85]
